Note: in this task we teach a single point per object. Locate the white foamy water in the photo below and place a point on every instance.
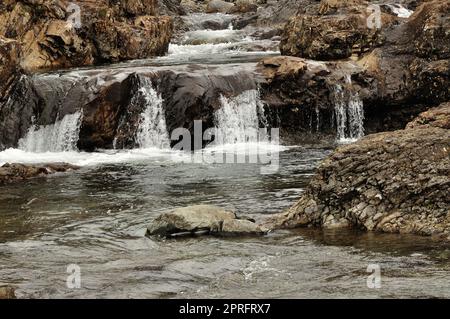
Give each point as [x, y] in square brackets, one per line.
[238, 119]
[349, 113]
[152, 131]
[91, 158]
[400, 10]
[188, 51]
[212, 36]
[86, 159]
[58, 137]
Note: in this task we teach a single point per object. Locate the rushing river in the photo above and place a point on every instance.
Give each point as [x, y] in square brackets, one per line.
[96, 217]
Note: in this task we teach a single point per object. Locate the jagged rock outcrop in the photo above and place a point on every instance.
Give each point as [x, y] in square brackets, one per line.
[61, 34]
[9, 65]
[10, 173]
[202, 220]
[392, 182]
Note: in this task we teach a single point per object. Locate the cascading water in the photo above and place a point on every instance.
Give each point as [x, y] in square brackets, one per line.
[349, 113]
[62, 136]
[152, 131]
[400, 10]
[238, 119]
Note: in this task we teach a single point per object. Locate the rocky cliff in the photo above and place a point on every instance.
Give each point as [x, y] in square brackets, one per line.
[60, 34]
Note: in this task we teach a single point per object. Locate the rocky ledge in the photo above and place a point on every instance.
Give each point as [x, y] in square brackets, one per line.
[202, 220]
[10, 173]
[393, 182]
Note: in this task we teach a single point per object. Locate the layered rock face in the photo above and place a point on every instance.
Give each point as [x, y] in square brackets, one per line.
[392, 182]
[60, 34]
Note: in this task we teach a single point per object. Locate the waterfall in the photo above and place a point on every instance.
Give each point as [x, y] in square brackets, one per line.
[62, 136]
[152, 130]
[238, 119]
[349, 113]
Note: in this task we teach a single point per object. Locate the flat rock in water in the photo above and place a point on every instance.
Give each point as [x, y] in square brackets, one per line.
[201, 220]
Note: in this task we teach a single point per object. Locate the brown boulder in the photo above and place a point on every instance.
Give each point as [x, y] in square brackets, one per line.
[10, 173]
[117, 41]
[338, 30]
[57, 45]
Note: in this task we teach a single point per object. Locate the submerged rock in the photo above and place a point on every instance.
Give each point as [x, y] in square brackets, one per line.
[10, 173]
[202, 220]
[7, 292]
[393, 182]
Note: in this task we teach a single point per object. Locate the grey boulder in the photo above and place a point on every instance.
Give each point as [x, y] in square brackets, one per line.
[202, 220]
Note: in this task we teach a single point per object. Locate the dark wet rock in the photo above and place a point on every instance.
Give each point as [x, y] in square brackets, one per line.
[107, 32]
[190, 92]
[392, 182]
[7, 292]
[202, 220]
[300, 92]
[10, 173]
